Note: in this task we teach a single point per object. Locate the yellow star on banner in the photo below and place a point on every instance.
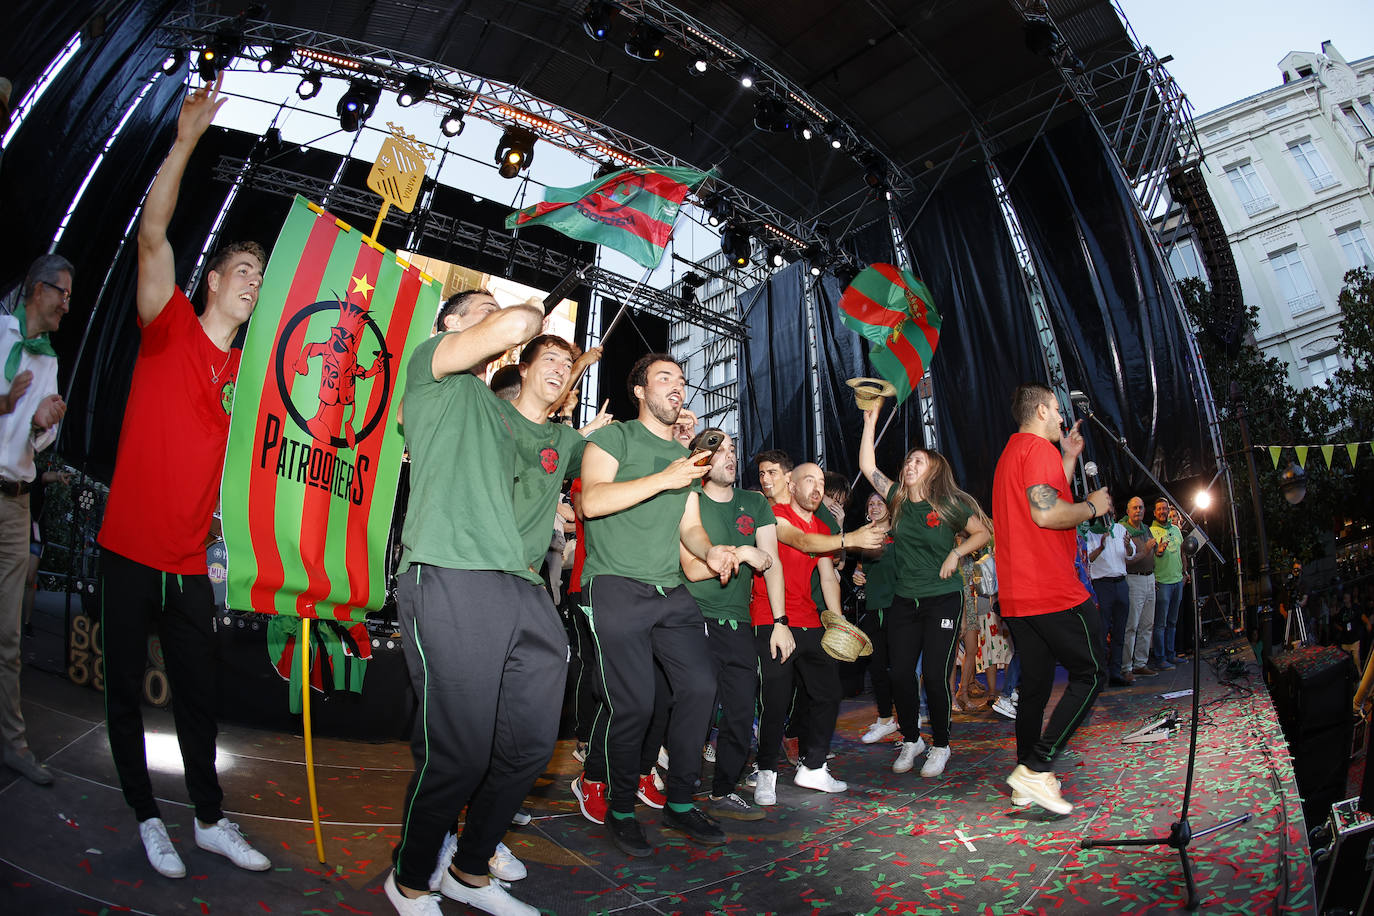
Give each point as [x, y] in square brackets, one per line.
[360, 285]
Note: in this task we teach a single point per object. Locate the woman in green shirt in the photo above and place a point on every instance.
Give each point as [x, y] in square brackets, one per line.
[927, 509]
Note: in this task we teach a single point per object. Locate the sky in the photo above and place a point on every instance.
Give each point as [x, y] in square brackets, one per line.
[1226, 50]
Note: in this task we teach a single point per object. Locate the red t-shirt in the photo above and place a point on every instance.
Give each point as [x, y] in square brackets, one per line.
[171, 446]
[797, 567]
[1035, 571]
[580, 548]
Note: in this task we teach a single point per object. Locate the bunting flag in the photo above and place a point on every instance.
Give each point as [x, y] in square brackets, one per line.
[1274, 452]
[314, 452]
[1328, 452]
[1302, 455]
[893, 310]
[631, 210]
[1352, 449]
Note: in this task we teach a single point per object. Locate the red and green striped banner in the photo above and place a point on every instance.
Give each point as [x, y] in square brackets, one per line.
[892, 308]
[631, 210]
[314, 451]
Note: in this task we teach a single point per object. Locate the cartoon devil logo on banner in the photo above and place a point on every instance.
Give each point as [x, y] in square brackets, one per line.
[339, 372]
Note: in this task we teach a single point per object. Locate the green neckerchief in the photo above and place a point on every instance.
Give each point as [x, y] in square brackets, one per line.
[35, 345]
[1098, 527]
[1143, 530]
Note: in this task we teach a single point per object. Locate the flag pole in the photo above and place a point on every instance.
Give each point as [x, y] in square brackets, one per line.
[623, 306]
[304, 647]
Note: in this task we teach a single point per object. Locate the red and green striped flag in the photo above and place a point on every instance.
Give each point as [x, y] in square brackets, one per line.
[314, 450]
[892, 308]
[631, 210]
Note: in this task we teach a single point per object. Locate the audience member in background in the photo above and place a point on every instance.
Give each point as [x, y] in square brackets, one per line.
[1168, 586]
[1109, 547]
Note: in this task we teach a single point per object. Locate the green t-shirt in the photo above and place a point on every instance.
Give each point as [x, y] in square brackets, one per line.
[462, 488]
[732, 523]
[880, 574]
[824, 514]
[1169, 564]
[546, 454]
[639, 542]
[921, 542]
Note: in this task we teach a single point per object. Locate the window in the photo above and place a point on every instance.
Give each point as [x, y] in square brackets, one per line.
[1368, 108]
[1356, 247]
[1220, 132]
[1275, 111]
[1295, 283]
[1184, 261]
[1312, 165]
[1323, 369]
[1357, 128]
[1254, 196]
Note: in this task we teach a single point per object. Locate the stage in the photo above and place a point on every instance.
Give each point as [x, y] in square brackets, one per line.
[892, 844]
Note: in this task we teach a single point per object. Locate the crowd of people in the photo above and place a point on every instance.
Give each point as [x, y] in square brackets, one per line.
[692, 605]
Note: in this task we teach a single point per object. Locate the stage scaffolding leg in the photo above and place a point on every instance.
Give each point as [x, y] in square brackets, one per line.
[303, 646]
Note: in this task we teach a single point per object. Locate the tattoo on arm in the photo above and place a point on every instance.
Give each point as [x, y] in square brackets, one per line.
[881, 483]
[1042, 496]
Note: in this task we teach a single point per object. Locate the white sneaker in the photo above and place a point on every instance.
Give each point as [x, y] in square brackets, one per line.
[162, 855]
[428, 905]
[663, 756]
[1041, 788]
[521, 818]
[879, 730]
[708, 753]
[906, 757]
[766, 789]
[1004, 706]
[935, 762]
[818, 779]
[1022, 801]
[226, 839]
[490, 899]
[445, 859]
[505, 865]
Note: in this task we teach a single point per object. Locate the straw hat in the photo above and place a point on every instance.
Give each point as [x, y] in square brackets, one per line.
[869, 392]
[843, 641]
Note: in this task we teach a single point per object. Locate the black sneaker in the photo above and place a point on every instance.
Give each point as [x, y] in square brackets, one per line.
[629, 836]
[734, 807]
[695, 824]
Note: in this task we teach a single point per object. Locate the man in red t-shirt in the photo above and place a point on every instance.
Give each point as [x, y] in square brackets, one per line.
[1050, 613]
[162, 500]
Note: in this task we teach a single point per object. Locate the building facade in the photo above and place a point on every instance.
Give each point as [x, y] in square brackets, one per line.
[1291, 171]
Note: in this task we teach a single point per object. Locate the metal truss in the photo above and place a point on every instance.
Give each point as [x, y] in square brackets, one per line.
[449, 230]
[490, 100]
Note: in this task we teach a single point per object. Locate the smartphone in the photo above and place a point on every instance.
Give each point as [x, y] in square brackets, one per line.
[708, 446]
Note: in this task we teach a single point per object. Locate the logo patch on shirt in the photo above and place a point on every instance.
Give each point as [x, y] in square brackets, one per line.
[548, 459]
[932, 519]
[745, 524]
[226, 396]
[946, 623]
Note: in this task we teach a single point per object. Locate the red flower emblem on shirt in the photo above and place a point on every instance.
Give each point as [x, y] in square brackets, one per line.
[745, 524]
[932, 519]
[548, 459]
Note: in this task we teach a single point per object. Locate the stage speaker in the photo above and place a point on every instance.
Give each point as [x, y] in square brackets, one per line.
[1345, 869]
[1312, 689]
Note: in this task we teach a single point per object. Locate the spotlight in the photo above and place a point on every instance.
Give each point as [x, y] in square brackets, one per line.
[415, 88]
[835, 131]
[173, 62]
[875, 170]
[774, 255]
[208, 65]
[770, 113]
[693, 280]
[1203, 499]
[700, 65]
[806, 132]
[357, 104]
[515, 152]
[818, 258]
[747, 75]
[718, 209]
[452, 123]
[275, 58]
[309, 86]
[734, 241]
[596, 21]
[645, 42]
[606, 168]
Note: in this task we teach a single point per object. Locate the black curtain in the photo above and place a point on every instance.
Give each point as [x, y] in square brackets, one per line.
[1120, 336]
[636, 334]
[988, 343]
[775, 398]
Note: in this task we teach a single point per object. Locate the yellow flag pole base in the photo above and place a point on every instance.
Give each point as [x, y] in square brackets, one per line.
[304, 647]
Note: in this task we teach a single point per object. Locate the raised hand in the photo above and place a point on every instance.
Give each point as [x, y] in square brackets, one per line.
[199, 110]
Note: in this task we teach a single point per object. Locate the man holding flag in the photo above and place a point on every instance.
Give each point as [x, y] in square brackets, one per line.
[483, 643]
[153, 573]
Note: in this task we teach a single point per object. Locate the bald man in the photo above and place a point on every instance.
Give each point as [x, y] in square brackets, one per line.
[1140, 581]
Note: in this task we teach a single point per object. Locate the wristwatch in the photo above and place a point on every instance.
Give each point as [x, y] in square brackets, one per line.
[781, 620]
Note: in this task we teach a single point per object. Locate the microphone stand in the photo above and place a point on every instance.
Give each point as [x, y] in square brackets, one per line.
[1181, 831]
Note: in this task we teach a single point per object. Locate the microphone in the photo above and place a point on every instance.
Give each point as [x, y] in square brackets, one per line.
[1090, 472]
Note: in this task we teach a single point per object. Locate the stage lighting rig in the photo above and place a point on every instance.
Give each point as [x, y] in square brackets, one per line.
[413, 89]
[357, 104]
[275, 58]
[700, 64]
[818, 258]
[771, 114]
[645, 42]
[773, 255]
[805, 131]
[452, 123]
[173, 62]
[596, 21]
[717, 209]
[309, 86]
[845, 272]
[515, 152]
[836, 132]
[734, 241]
[747, 75]
[216, 56]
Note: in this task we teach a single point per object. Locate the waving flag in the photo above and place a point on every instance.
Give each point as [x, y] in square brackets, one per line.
[892, 308]
[631, 210]
[314, 450]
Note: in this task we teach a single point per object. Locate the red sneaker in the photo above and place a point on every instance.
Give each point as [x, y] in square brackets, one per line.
[791, 750]
[591, 798]
[649, 793]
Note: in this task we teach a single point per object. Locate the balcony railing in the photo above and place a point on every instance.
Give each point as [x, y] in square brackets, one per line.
[1322, 182]
[1257, 205]
[1304, 303]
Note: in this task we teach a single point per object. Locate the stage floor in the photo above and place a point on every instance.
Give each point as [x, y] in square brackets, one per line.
[892, 844]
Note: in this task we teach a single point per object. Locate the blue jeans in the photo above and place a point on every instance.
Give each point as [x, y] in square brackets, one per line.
[1168, 597]
[1113, 602]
